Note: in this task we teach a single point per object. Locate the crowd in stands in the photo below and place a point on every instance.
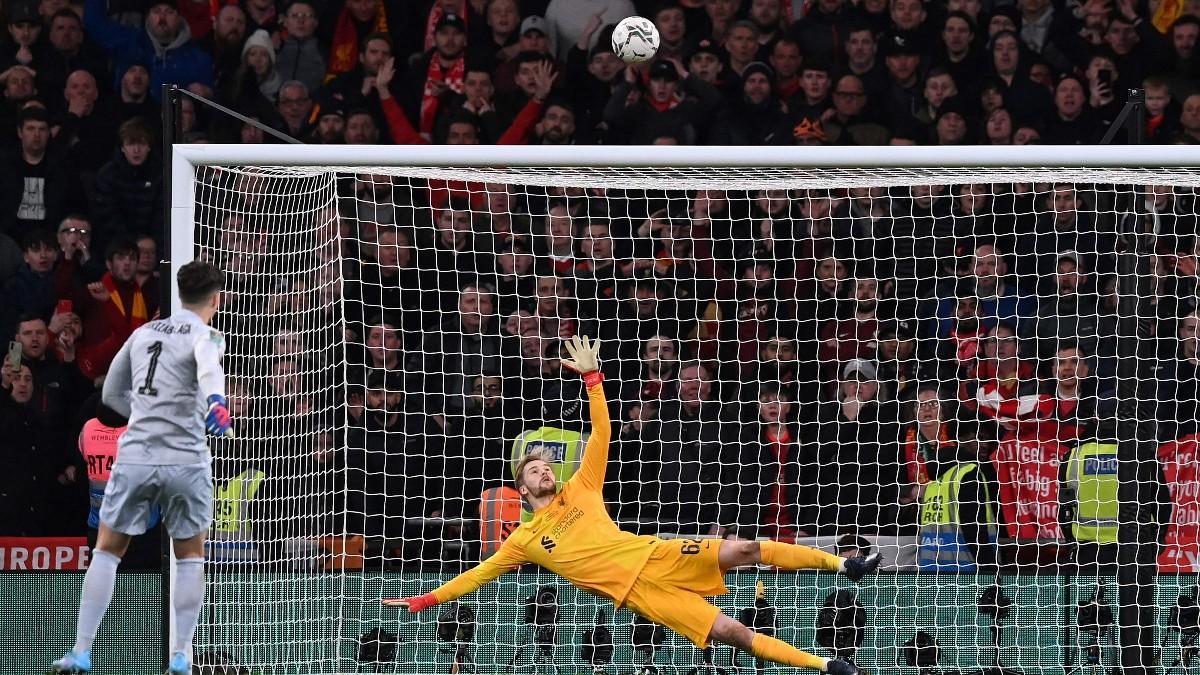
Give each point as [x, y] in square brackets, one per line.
[781, 362]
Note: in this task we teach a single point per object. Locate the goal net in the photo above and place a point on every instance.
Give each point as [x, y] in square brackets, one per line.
[949, 364]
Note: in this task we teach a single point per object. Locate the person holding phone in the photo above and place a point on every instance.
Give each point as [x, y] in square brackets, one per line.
[27, 475]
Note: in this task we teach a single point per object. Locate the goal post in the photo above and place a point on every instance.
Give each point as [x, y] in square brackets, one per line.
[373, 302]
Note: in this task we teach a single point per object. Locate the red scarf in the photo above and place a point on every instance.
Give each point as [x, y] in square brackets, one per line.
[435, 15]
[137, 314]
[778, 520]
[663, 106]
[453, 77]
[343, 56]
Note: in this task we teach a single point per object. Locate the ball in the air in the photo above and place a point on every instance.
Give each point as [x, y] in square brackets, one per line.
[635, 40]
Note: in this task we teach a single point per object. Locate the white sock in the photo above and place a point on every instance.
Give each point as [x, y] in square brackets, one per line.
[188, 597]
[842, 566]
[825, 668]
[98, 585]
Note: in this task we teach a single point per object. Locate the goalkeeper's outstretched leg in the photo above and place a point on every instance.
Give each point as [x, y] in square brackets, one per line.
[767, 648]
[794, 557]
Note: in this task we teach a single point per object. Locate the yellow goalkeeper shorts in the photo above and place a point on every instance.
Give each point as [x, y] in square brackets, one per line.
[672, 586]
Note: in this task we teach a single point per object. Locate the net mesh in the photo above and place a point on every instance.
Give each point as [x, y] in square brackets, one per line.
[899, 360]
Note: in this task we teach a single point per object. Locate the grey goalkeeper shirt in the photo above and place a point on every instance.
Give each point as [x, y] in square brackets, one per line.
[161, 380]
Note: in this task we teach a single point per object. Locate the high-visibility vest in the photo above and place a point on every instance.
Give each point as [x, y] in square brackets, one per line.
[1092, 475]
[941, 545]
[499, 515]
[562, 446]
[232, 534]
[98, 445]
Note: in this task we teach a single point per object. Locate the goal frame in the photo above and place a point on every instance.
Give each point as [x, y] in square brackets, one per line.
[1136, 636]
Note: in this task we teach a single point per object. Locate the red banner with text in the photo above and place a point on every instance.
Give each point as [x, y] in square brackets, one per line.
[1181, 553]
[1027, 468]
[44, 553]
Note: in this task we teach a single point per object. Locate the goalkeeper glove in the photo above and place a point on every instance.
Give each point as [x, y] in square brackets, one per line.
[218, 422]
[585, 359]
[414, 604]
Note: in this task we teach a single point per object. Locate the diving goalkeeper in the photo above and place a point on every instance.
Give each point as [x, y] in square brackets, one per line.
[665, 581]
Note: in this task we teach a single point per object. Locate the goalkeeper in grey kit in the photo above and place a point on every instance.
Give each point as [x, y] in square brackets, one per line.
[169, 381]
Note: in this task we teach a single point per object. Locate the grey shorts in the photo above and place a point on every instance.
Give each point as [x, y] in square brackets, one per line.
[184, 492]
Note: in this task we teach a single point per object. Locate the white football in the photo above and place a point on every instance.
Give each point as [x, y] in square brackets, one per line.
[635, 40]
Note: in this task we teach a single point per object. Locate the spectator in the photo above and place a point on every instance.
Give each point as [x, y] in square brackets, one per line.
[1022, 96]
[299, 56]
[567, 19]
[707, 62]
[655, 379]
[785, 60]
[696, 493]
[1072, 122]
[85, 129]
[1175, 383]
[19, 89]
[674, 101]
[1004, 387]
[32, 290]
[1189, 120]
[1179, 68]
[112, 307]
[38, 187]
[1082, 402]
[258, 57]
[852, 334]
[458, 348]
[931, 429]
[479, 442]
[959, 513]
[60, 388]
[129, 189]
[855, 441]
[813, 99]
[897, 367]
[24, 28]
[295, 109]
[356, 87]
[503, 20]
[30, 453]
[75, 250]
[999, 298]
[861, 60]
[224, 42]
[384, 347]
[776, 471]
[758, 118]
[901, 94]
[671, 21]
[823, 27]
[514, 277]
[742, 46]
[164, 43]
[1161, 112]
[848, 123]
[998, 128]
[957, 54]
[396, 465]
[69, 51]
[939, 86]
[440, 70]
[133, 96]
[1074, 314]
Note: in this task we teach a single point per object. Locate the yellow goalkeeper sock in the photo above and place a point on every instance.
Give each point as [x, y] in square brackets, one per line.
[778, 651]
[795, 557]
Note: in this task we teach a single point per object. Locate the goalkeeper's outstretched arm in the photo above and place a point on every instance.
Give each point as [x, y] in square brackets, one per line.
[506, 559]
[585, 361]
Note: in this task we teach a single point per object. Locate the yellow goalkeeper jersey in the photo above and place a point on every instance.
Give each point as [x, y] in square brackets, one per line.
[571, 536]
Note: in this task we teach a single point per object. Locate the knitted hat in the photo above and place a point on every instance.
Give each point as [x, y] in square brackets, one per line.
[260, 38]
